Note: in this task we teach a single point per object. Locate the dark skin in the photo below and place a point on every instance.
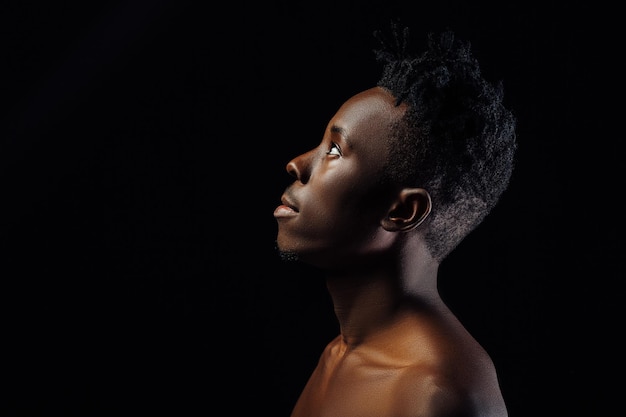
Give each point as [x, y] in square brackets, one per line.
[401, 352]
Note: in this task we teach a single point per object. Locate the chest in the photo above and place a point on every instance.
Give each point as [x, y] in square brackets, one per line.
[350, 390]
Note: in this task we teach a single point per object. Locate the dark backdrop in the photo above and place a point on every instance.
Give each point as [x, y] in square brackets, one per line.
[143, 146]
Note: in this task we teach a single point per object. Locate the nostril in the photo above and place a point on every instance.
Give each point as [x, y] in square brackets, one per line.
[292, 169]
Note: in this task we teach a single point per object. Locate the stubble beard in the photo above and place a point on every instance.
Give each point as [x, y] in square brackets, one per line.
[285, 255]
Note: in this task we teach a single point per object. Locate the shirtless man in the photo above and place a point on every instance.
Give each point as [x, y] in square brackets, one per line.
[404, 171]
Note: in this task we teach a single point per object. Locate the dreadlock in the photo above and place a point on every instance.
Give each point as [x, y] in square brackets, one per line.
[457, 139]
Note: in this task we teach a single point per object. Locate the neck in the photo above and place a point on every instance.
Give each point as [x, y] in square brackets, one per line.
[373, 298]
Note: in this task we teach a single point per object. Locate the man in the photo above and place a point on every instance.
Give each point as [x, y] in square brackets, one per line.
[405, 170]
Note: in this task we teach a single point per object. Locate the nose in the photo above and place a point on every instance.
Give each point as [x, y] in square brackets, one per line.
[300, 167]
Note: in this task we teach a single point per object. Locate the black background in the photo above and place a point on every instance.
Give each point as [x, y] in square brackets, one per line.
[143, 146]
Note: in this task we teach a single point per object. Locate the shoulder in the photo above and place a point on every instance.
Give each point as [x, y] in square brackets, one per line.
[435, 392]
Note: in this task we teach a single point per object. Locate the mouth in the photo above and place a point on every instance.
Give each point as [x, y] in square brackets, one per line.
[286, 209]
[287, 203]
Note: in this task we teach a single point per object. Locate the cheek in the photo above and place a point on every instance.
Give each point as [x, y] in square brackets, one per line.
[345, 214]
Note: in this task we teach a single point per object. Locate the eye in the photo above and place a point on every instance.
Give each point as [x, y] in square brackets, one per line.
[334, 150]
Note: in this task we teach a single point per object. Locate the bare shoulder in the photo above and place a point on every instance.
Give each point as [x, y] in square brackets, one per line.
[430, 392]
[450, 374]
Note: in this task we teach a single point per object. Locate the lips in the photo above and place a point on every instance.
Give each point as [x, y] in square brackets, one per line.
[286, 209]
[287, 202]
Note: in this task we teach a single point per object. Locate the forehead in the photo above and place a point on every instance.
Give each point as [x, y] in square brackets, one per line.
[367, 117]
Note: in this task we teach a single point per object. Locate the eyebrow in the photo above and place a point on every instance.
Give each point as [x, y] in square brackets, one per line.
[341, 131]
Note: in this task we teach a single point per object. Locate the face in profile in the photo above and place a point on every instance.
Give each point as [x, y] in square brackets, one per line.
[330, 215]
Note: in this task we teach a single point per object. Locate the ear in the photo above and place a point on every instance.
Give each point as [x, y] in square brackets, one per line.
[409, 210]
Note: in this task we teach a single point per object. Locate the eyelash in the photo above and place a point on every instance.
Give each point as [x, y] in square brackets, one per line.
[333, 145]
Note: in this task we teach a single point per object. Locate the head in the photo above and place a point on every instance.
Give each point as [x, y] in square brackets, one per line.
[426, 152]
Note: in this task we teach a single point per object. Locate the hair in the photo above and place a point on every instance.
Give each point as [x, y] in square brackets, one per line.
[457, 139]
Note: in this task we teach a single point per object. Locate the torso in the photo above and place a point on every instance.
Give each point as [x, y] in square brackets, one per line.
[417, 373]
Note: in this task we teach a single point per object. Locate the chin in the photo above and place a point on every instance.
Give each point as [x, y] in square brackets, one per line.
[287, 255]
